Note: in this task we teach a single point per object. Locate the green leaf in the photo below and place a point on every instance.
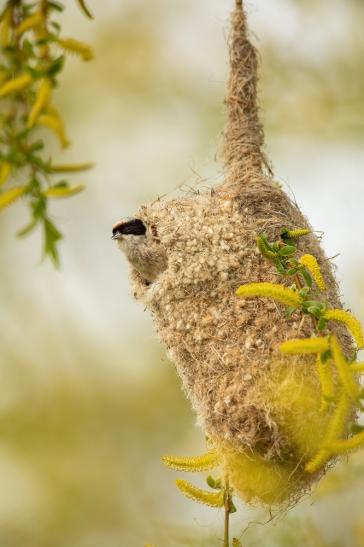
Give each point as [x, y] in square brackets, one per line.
[61, 184]
[56, 26]
[51, 237]
[306, 276]
[55, 5]
[232, 507]
[50, 37]
[321, 325]
[293, 271]
[38, 162]
[315, 303]
[326, 355]
[304, 292]
[28, 228]
[56, 66]
[39, 208]
[28, 49]
[85, 9]
[315, 310]
[214, 483]
[287, 250]
[280, 267]
[36, 146]
[290, 311]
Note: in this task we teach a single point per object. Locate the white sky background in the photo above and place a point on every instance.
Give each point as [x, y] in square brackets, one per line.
[89, 297]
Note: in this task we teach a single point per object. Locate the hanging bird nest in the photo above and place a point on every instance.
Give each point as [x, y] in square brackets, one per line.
[265, 408]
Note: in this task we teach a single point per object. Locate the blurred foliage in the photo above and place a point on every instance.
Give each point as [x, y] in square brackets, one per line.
[316, 92]
[30, 65]
[80, 473]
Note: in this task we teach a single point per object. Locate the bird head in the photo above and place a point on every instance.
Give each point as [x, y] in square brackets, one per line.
[141, 246]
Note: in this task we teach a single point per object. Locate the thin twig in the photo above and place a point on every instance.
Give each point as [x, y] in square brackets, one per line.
[227, 508]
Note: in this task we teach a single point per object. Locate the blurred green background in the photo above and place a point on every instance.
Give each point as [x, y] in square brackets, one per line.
[88, 400]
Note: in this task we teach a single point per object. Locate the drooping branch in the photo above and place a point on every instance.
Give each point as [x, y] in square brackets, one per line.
[243, 136]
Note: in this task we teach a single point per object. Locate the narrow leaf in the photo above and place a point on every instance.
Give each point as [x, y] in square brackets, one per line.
[85, 9]
[63, 191]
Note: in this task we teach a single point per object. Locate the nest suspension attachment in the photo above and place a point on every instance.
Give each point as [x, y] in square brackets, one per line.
[243, 154]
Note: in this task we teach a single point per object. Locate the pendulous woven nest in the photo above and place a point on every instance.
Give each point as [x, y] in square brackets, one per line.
[260, 408]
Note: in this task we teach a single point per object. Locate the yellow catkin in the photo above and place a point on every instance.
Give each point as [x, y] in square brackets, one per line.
[341, 447]
[16, 84]
[305, 345]
[318, 461]
[212, 499]
[71, 168]
[270, 290]
[312, 265]
[41, 34]
[335, 430]
[75, 46]
[5, 27]
[344, 370]
[350, 321]
[207, 461]
[326, 380]
[294, 234]
[42, 99]
[357, 367]
[8, 197]
[53, 121]
[337, 423]
[5, 170]
[64, 191]
[29, 23]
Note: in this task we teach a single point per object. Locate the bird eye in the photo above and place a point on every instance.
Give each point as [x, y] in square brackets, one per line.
[134, 227]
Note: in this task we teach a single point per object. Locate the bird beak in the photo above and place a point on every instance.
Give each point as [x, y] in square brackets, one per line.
[117, 235]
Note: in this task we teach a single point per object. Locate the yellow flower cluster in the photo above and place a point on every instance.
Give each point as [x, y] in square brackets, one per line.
[212, 499]
[349, 394]
[295, 234]
[350, 321]
[312, 265]
[341, 397]
[270, 290]
[207, 461]
[305, 345]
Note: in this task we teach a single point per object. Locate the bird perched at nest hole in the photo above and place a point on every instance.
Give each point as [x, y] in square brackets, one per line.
[140, 244]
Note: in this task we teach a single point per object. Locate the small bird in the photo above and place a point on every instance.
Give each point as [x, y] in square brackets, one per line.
[141, 246]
